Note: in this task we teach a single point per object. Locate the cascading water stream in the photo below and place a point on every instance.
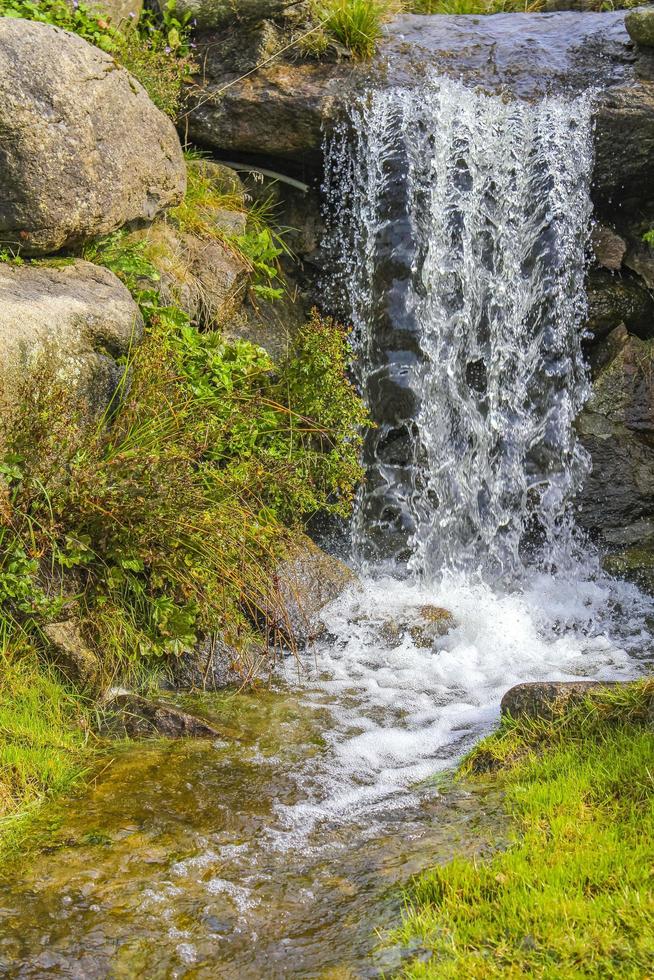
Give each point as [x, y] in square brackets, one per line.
[496, 218]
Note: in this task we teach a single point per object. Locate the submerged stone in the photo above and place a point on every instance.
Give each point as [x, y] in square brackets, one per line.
[140, 717]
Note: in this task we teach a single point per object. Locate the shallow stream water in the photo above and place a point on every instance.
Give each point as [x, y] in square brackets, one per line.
[280, 849]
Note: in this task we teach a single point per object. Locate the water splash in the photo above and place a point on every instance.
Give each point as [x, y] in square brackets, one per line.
[489, 280]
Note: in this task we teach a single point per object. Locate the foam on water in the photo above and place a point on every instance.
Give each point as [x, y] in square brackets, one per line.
[402, 712]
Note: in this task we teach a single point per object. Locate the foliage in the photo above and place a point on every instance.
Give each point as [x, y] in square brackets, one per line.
[43, 731]
[260, 246]
[167, 523]
[648, 238]
[157, 54]
[356, 24]
[571, 895]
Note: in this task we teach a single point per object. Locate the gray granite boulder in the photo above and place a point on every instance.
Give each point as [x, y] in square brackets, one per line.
[83, 149]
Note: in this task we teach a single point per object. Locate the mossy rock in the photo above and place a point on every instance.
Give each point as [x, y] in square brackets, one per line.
[640, 26]
[633, 564]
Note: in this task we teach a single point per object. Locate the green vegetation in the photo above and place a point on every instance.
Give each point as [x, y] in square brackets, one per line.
[260, 246]
[356, 24]
[44, 734]
[166, 523]
[572, 894]
[156, 51]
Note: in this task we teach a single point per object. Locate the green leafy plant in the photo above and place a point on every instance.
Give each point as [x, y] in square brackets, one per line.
[648, 238]
[167, 521]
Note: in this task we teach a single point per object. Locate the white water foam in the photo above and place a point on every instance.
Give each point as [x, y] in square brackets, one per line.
[402, 712]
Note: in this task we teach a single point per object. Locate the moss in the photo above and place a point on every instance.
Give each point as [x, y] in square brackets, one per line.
[45, 741]
[571, 896]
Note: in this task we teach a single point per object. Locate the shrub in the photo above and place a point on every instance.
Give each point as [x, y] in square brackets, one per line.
[167, 523]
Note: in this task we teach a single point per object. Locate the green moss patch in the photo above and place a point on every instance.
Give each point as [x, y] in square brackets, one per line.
[572, 894]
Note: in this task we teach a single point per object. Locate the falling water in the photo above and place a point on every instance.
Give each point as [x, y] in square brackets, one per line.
[491, 197]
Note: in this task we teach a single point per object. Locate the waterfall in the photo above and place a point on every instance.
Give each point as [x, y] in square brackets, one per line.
[459, 225]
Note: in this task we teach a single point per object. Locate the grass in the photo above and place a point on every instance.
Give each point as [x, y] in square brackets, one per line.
[354, 24]
[572, 895]
[44, 738]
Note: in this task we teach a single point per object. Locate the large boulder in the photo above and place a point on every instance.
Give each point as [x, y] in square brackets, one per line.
[75, 318]
[617, 428]
[83, 149]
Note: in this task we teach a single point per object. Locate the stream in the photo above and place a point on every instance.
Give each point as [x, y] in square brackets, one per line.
[459, 226]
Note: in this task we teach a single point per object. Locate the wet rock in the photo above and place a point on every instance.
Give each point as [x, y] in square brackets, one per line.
[608, 247]
[634, 564]
[615, 300]
[76, 318]
[140, 717]
[624, 141]
[640, 258]
[640, 25]
[214, 665]
[424, 624]
[72, 656]
[84, 150]
[547, 699]
[306, 581]
[617, 428]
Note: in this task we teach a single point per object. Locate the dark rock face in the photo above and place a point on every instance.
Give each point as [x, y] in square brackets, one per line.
[547, 699]
[614, 300]
[281, 110]
[617, 428]
[83, 148]
[624, 143]
[140, 717]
